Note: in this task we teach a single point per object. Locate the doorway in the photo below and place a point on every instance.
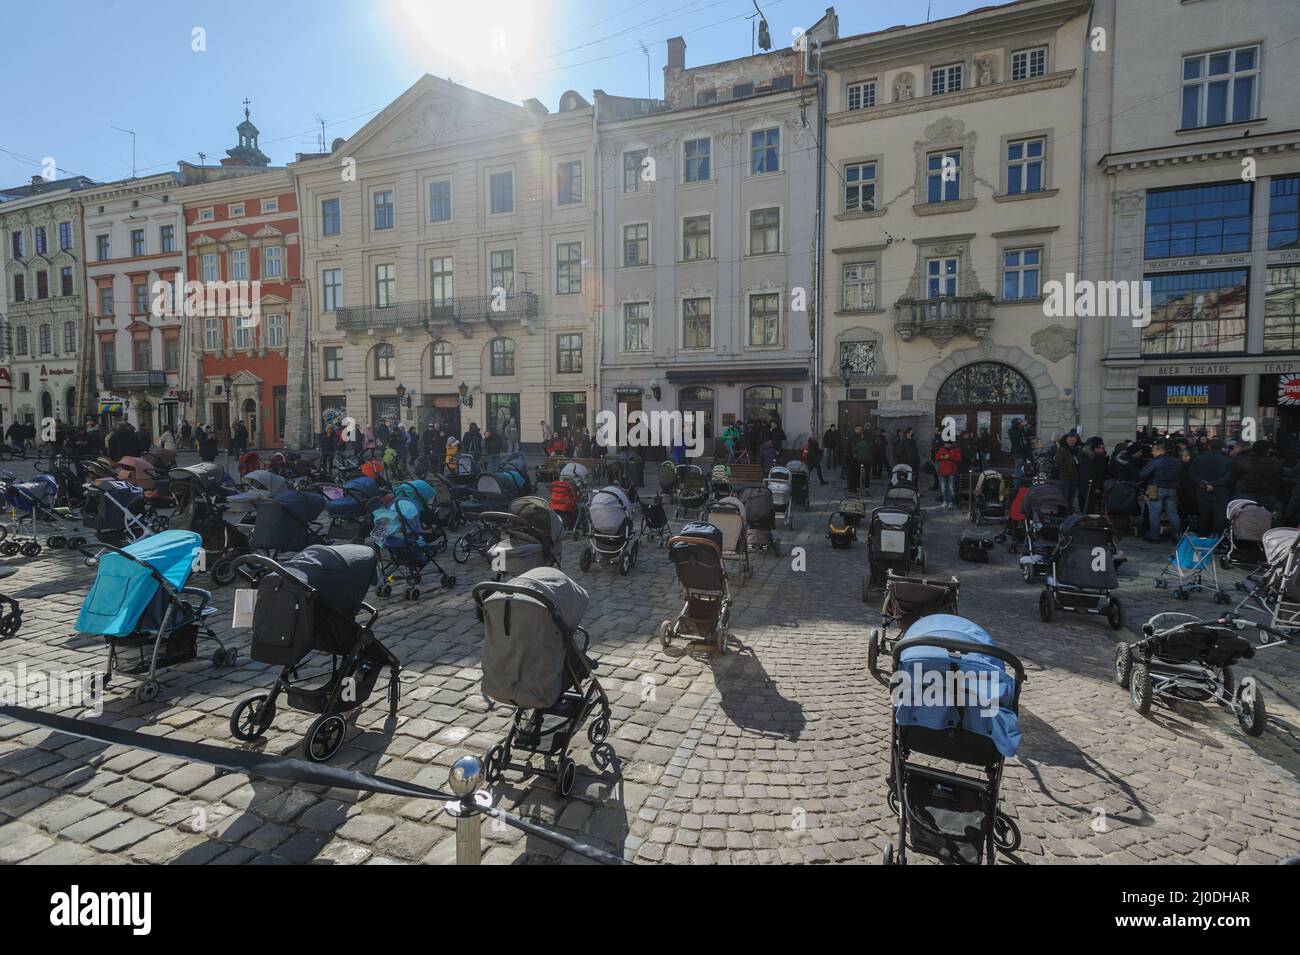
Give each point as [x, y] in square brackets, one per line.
[698, 400]
[248, 412]
[986, 395]
[854, 413]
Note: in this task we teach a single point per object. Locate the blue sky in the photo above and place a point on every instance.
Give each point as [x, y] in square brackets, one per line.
[74, 70]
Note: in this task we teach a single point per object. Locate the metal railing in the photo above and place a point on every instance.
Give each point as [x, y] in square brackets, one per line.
[943, 317]
[126, 380]
[460, 311]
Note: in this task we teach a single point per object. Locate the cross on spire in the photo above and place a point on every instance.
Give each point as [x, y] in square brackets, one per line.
[246, 105]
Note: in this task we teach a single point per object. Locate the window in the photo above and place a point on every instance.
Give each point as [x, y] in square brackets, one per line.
[333, 361]
[210, 267]
[1220, 87]
[441, 278]
[1026, 64]
[137, 242]
[945, 79]
[275, 331]
[1284, 213]
[860, 187]
[65, 236]
[239, 265]
[1282, 309]
[16, 243]
[943, 176]
[106, 300]
[568, 353]
[42, 284]
[167, 238]
[384, 209]
[41, 247]
[764, 151]
[862, 358]
[501, 188]
[207, 215]
[331, 221]
[1021, 273]
[569, 184]
[141, 355]
[442, 366]
[636, 245]
[69, 338]
[139, 298]
[633, 160]
[503, 357]
[273, 262]
[696, 153]
[270, 205]
[636, 326]
[741, 90]
[65, 280]
[761, 402]
[234, 209]
[243, 333]
[1025, 166]
[502, 270]
[704, 97]
[764, 231]
[1198, 220]
[765, 320]
[107, 356]
[20, 288]
[785, 82]
[171, 354]
[440, 200]
[858, 281]
[45, 336]
[102, 249]
[331, 281]
[568, 268]
[385, 361]
[385, 285]
[697, 323]
[1196, 313]
[941, 277]
[696, 242]
[20, 340]
[861, 95]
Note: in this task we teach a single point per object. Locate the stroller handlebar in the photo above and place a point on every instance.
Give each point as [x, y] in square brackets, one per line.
[955, 645]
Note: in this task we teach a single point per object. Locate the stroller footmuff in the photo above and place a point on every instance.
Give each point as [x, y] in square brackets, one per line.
[1247, 522]
[760, 518]
[728, 516]
[139, 601]
[286, 523]
[696, 556]
[907, 600]
[535, 659]
[988, 500]
[780, 481]
[309, 604]
[952, 702]
[203, 498]
[11, 612]
[1081, 573]
[692, 490]
[654, 521]
[613, 537]
[1044, 508]
[799, 493]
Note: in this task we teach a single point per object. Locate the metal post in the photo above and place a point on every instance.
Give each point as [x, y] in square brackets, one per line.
[465, 775]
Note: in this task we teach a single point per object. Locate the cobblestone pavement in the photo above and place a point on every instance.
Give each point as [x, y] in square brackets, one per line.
[776, 751]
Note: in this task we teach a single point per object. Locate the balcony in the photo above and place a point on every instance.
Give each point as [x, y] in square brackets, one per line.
[943, 319]
[461, 313]
[135, 380]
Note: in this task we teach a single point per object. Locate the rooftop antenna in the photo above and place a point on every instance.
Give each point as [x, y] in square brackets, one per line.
[648, 87]
[130, 133]
[928, 7]
[321, 119]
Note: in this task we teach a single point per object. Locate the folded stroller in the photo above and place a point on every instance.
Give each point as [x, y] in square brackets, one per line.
[952, 815]
[1185, 658]
[30, 503]
[799, 493]
[692, 490]
[406, 548]
[286, 523]
[728, 516]
[1045, 509]
[117, 512]
[530, 535]
[842, 527]
[11, 612]
[760, 518]
[907, 600]
[1248, 522]
[1081, 574]
[696, 556]
[893, 544]
[613, 532]
[988, 502]
[1274, 588]
[140, 601]
[534, 662]
[779, 482]
[1192, 562]
[308, 604]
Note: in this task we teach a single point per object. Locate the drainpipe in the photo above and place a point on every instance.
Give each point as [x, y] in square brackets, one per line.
[819, 306]
[597, 215]
[1083, 228]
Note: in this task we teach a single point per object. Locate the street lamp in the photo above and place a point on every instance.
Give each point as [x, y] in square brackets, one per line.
[230, 421]
[465, 397]
[846, 371]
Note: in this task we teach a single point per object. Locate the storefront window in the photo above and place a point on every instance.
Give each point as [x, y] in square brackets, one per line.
[1198, 220]
[1282, 309]
[1196, 313]
[1284, 212]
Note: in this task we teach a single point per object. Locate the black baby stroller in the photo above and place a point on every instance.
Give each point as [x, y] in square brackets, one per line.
[11, 612]
[306, 604]
[535, 659]
[202, 497]
[692, 490]
[988, 501]
[799, 494]
[30, 503]
[760, 520]
[286, 523]
[613, 532]
[696, 555]
[1122, 505]
[529, 535]
[893, 544]
[654, 520]
[1186, 658]
[842, 527]
[952, 815]
[907, 600]
[1045, 509]
[117, 512]
[1081, 571]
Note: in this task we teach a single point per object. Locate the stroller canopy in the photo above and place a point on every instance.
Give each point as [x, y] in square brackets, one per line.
[760, 510]
[207, 474]
[796, 467]
[497, 484]
[340, 574]
[992, 716]
[1080, 536]
[574, 472]
[1042, 497]
[352, 500]
[778, 474]
[422, 492]
[108, 502]
[611, 511]
[989, 481]
[123, 590]
[398, 524]
[544, 523]
[283, 521]
[696, 554]
[465, 463]
[39, 490]
[264, 480]
[902, 474]
[1278, 543]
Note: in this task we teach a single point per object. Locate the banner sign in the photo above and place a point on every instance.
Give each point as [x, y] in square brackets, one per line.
[1211, 396]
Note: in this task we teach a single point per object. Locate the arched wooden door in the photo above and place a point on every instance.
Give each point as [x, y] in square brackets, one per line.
[986, 395]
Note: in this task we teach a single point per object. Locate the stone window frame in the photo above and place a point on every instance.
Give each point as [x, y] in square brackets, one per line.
[488, 173]
[861, 81]
[968, 283]
[636, 299]
[945, 135]
[372, 193]
[556, 243]
[866, 257]
[563, 160]
[712, 299]
[644, 187]
[763, 126]
[681, 232]
[855, 334]
[649, 244]
[1030, 238]
[878, 160]
[713, 155]
[427, 179]
[780, 229]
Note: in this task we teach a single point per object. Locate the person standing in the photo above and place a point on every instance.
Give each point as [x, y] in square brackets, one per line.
[207, 444]
[1094, 469]
[814, 455]
[547, 433]
[1067, 469]
[1163, 474]
[512, 437]
[831, 445]
[947, 461]
[492, 449]
[1258, 475]
[879, 452]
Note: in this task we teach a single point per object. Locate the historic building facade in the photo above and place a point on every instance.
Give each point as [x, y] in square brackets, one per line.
[952, 198]
[448, 258]
[1196, 191]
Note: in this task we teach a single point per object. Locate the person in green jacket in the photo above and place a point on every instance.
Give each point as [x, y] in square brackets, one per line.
[729, 437]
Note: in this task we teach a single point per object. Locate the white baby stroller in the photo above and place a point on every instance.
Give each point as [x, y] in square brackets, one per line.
[530, 535]
[696, 555]
[760, 517]
[780, 481]
[728, 516]
[613, 531]
[1274, 588]
[902, 474]
[1248, 522]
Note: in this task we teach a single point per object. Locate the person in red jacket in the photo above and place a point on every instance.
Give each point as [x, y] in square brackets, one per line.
[948, 460]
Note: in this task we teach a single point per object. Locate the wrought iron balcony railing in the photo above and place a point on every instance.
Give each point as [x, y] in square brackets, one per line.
[943, 319]
[454, 312]
[134, 380]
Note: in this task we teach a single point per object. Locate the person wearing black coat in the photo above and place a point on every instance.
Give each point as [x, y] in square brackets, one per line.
[207, 445]
[831, 444]
[1259, 475]
[121, 443]
[1211, 473]
[1094, 469]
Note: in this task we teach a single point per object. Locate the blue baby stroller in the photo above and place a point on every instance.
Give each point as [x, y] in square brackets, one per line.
[952, 816]
[139, 601]
[406, 548]
[1193, 564]
[30, 503]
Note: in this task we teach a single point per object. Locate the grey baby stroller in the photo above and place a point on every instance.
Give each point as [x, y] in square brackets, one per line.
[760, 520]
[530, 535]
[780, 481]
[1081, 573]
[692, 490]
[535, 659]
[613, 532]
[1247, 522]
[728, 516]
[1274, 588]
[696, 555]
[1045, 509]
[988, 500]
[907, 600]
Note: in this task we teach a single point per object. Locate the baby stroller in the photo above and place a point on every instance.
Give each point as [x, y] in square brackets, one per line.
[799, 494]
[117, 512]
[893, 544]
[728, 516]
[569, 501]
[654, 520]
[533, 661]
[613, 538]
[902, 474]
[140, 601]
[406, 548]
[907, 600]
[842, 527]
[309, 604]
[203, 498]
[30, 503]
[1081, 571]
[988, 502]
[253, 487]
[249, 461]
[952, 816]
[696, 555]
[530, 535]
[668, 479]
[11, 612]
[692, 490]
[780, 482]
[1248, 522]
[1274, 588]
[761, 517]
[1122, 505]
[286, 523]
[1191, 563]
[1044, 509]
[720, 482]
[350, 507]
[1185, 658]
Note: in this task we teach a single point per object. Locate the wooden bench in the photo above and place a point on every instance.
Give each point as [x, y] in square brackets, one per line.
[747, 474]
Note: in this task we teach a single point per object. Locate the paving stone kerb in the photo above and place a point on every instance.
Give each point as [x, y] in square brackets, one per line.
[774, 752]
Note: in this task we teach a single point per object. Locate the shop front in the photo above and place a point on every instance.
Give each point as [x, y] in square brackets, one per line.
[568, 411]
[1189, 406]
[442, 410]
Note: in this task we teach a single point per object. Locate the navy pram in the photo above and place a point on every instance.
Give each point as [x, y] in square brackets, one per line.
[285, 522]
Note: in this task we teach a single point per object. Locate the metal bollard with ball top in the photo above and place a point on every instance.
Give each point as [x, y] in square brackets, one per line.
[464, 778]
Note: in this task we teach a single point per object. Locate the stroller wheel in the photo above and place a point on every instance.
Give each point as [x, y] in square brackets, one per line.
[31, 549]
[75, 543]
[460, 550]
[4, 532]
[412, 593]
[1115, 613]
[384, 590]
[223, 572]
[598, 731]
[665, 634]
[1139, 688]
[252, 717]
[56, 542]
[873, 650]
[448, 581]
[887, 857]
[567, 776]
[584, 561]
[1006, 834]
[325, 737]
[147, 691]
[1250, 707]
[1045, 606]
[494, 763]
[394, 694]
[723, 636]
[625, 563]
[1027, 573]
[1123, 664]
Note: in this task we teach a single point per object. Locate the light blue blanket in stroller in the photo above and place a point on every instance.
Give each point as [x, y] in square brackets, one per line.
[123, 590]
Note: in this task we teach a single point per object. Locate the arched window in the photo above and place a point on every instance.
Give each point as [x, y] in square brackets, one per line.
[442, 366]
[762, 402]
[986, 383]
[385, 361]
[503, 356]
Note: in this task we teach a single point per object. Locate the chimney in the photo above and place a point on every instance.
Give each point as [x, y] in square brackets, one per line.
[677, 53]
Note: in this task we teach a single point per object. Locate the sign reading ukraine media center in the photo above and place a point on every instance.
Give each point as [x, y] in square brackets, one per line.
[1210, 395]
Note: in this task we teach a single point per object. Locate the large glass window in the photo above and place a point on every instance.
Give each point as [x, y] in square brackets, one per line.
[764, 231]
[501, 186]
[1220, 87]
[945, 79]
[764, 151]
[443, 363]
[273, 262]
[1026, 64]
[696, 154]
[331, 221]
[568, 353]
[1021, 273]
[503, 356]
[861, 95]
[384, 209]
[333, 355]
[1196, 313]
[860, 187]
[1025, 166]
[696, 240]
[636, 245]
[385, 285]
[440, 200]
[1284, 212]
[442, 281]
[501, 264]
[569, 183]
[697, 323]
[762, 402]
[858, 281]
[1198, 220]
[636, 326]
[385, 361]
[943, 176]
[941, 277]
[331, 289]
[1282, 309]
[568, 268]
[632, 163]
[765, 320]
